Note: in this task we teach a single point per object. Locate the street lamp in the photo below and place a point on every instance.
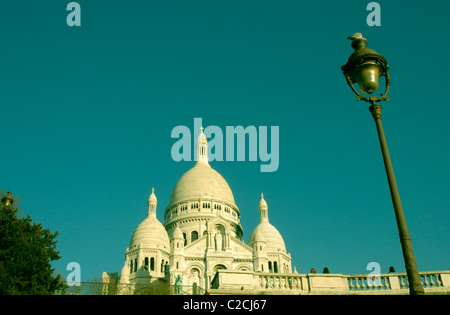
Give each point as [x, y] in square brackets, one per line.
[365, 67]
[8, 200]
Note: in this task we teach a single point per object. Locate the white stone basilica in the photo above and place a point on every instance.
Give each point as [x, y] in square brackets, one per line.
[199, 250]
[201, 235]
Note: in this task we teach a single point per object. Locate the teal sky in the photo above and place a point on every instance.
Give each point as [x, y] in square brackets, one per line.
[87, 114]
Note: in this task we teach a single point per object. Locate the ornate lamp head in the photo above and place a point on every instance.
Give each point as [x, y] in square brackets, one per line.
[365, 66]
[8, 200]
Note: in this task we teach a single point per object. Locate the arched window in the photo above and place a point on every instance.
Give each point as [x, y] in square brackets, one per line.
[194, 236]
[131, 265]
[146, 263]
[270, 266]
[275, 267]
[185, 239]
[152, 264]
[219, 267]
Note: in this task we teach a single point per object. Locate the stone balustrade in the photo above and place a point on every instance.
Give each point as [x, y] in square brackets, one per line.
[249, 283]
[397, 283]
[434, 282]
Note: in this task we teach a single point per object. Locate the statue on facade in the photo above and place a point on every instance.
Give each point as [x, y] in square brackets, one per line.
[219, 242]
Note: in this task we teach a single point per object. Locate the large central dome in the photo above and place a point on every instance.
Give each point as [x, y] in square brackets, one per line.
[200, 195]
[199, 182]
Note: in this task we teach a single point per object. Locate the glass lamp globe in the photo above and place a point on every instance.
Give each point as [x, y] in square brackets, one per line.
[367, 76]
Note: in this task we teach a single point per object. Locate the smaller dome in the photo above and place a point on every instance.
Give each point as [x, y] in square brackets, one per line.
[177, 234]
[259, 237]
[274, 240]
[124, 274]
[150, 233]
[266, 231]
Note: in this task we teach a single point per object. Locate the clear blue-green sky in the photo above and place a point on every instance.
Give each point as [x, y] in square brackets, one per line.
[87, 114]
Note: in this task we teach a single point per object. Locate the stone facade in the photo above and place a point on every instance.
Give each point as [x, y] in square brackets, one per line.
[201, 235]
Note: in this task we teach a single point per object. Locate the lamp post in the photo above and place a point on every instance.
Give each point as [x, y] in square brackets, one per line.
[8, 200]
[365, 66]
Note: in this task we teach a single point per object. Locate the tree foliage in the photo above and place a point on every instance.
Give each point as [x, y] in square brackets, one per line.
[26, 253]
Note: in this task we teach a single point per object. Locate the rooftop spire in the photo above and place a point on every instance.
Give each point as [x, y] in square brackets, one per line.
[202, 148]
[152, 203]
[263, 210]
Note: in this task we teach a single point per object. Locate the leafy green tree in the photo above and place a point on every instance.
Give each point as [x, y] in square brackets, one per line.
[26, 253]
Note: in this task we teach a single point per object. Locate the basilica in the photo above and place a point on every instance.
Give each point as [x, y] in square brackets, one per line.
[200, 250]
[201, 235]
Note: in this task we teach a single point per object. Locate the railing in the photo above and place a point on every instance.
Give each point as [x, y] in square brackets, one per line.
[362, 283]
[281, 281]
[435, 282]
[99, 288]
[431, 279]
[365, 283]
[82, 288]
[393, 283]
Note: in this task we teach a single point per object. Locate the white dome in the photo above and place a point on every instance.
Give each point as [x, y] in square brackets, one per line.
[177, 234]
[150, 233]
[266, 231]
[199, 182]
[273, 238]
[258, 237]
[124, 274]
